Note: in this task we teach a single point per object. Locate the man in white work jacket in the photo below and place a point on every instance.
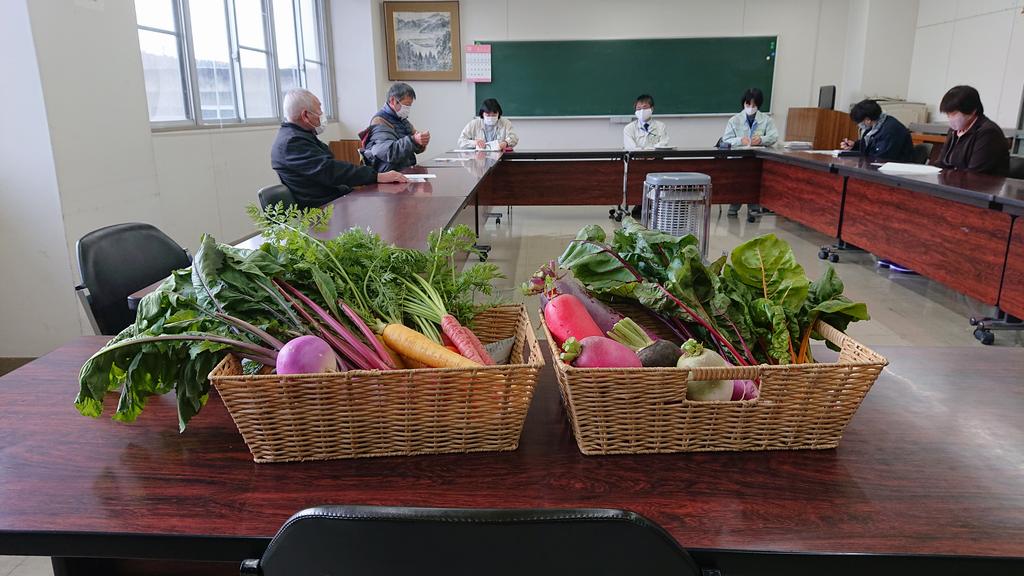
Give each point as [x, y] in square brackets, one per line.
[644, 132]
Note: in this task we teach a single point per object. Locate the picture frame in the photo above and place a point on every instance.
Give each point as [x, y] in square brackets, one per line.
[423, 40]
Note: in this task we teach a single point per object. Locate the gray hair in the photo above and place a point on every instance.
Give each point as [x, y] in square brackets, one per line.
[296, 101]
[400, 90]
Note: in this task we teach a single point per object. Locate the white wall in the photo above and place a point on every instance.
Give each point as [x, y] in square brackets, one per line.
[36, 298]
[976, 42]
[879, 50]
[810, 53]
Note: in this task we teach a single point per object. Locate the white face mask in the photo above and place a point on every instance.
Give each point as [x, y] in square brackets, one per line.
[403, 110]
[750, 110]
[323, 125]
[958, 122]
[490, 120]
[644, 114]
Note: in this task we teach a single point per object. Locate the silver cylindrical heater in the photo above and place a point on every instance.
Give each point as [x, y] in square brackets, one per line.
[678, 203]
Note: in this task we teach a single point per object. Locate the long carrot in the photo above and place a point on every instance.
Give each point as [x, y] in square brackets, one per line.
[484, 354]
[416, 346]
[451, 328]
[397, 361]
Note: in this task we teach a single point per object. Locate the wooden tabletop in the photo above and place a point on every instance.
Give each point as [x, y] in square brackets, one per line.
[932, 464]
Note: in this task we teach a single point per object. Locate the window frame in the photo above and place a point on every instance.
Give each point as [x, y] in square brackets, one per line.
[190, 75]
[183, 65]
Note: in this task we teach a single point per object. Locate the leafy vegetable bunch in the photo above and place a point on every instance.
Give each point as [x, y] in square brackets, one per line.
[755, 306]
[243, 301]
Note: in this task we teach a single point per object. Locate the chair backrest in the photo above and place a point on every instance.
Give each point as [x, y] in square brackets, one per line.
[120, 259]
[331, 540]
[275, 193]
[921, 153]
[1016, 167]
[346, 150]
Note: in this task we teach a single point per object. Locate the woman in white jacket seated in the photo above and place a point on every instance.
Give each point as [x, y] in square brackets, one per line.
[751, 127]
[489, 130]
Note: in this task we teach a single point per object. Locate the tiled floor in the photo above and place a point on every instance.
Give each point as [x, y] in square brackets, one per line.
[905, 310]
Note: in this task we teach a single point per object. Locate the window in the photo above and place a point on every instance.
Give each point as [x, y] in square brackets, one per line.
[217, 62]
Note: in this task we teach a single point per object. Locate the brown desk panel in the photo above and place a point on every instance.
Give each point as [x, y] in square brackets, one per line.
[733, 180]
[1011, 297]
[554, 183]
[956, 244]
[810, 196]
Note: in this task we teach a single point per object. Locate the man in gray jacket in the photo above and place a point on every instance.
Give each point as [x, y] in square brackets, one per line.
[391, 142]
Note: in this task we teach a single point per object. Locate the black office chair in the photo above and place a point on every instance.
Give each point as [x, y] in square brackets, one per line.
[117, 260]
[335, 540]
[921, 153]
[275, 193]
[1016, 167]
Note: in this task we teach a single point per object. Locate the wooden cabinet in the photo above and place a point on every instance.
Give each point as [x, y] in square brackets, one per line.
[824, 128]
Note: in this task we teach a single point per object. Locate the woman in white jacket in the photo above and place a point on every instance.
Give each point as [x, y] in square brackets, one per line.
[489, 130]
[751, 127]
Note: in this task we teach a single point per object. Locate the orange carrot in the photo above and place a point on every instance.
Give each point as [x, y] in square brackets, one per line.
[452, 348]
[396, 359]
[416, 346]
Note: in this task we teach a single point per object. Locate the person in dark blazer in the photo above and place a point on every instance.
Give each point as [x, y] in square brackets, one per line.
[974, 143]
[391, 142]
[305, 164]
[881, 136]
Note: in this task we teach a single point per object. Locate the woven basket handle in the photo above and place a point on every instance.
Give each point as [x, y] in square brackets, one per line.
[726, 373]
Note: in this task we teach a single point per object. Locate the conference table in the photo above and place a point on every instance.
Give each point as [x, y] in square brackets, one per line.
[923, 481]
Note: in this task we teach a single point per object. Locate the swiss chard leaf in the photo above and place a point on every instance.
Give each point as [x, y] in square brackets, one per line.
[768, 265]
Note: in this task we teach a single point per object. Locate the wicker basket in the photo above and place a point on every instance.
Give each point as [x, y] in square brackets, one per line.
[644, 410]
[388, 413]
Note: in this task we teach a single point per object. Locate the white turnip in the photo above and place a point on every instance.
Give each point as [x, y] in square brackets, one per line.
[696, 356]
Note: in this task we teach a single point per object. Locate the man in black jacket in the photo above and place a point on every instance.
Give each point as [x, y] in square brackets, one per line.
[881, 136]
[305, 164]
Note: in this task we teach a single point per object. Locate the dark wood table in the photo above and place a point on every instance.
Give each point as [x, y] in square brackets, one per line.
[929, 478]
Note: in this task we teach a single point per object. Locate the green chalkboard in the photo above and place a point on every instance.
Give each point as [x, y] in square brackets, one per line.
[603, 77]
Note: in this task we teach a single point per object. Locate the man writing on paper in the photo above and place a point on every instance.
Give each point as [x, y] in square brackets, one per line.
[391, 142]
[881, 136]
[305, 164]
[644, 132]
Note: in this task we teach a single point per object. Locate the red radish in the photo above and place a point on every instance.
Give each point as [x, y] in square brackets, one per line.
[567, 317]
[599, 352]
[306, 355]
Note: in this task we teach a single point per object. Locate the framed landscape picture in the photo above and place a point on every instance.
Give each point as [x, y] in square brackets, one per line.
[423, 40]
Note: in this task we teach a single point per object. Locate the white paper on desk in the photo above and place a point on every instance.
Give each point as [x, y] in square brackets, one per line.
[414, 177]
[901, 168]
[442, 159]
